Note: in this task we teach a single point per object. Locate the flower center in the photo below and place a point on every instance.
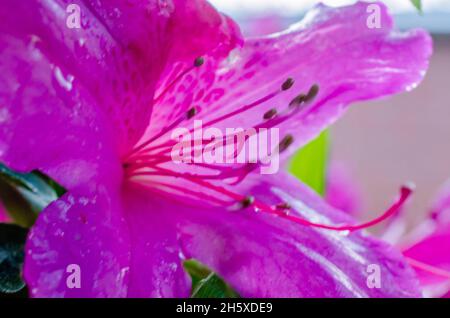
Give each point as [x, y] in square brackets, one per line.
[151, 164]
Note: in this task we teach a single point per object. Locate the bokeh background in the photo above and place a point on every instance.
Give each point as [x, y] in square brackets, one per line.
[382, 144]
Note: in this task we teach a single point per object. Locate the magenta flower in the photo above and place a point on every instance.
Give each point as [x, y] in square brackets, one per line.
[94, 107]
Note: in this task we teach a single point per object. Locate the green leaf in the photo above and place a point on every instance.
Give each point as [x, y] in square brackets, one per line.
[12, 241]
[25, 195]
[309, 163]
[417, 4]
[207, 284]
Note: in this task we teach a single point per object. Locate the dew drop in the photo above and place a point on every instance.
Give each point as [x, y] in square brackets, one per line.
[64, 81]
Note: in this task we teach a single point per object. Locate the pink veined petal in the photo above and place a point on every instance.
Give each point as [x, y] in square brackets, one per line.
[332, 47]
[265, 256]
[341, 191]
[119, 52]
[166, 33]
[82, 237]
[199, 31]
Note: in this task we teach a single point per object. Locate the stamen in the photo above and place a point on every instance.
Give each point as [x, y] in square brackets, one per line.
[305, 98]
[248, 201]
[285, 143]
[270, 114]
[280, 210]
[297, 101]
[312, 93]
[283, 206]
[251, 105]
[199, 61]
[287, 84]
[192, 112]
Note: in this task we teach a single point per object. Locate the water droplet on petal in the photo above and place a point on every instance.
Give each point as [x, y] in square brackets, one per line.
[64, 81]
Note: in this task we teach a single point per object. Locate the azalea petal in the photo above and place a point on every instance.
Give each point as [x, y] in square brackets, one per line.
[199, 30]
[49, 123]
[119, 52]
[85, 228]
[333, 47]
[432, 251]
[265, 256]
[155, 268]
[159, 35]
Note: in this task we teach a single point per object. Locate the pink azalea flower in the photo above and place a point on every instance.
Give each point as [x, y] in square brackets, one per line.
[94, 107]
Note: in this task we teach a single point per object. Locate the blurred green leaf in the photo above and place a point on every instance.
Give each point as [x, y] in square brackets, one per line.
[309, 164]
[25, 195]
[207, 284]
[12, 241]
[417, 4]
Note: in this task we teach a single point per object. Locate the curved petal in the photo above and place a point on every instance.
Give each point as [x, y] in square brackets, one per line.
[265, 256]
[429, 252]
[198, 29]
[333, 47]
[432, 251]
[119, 51]
[155, 268]
[82, 237]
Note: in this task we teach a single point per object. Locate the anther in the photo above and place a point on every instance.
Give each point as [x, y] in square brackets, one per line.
[287, 84]
[191, 112]
[297, 100]
[285, 143]
[247, 201]
[270, 113]
[312, 93]
[199, 61]
[283, 206]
